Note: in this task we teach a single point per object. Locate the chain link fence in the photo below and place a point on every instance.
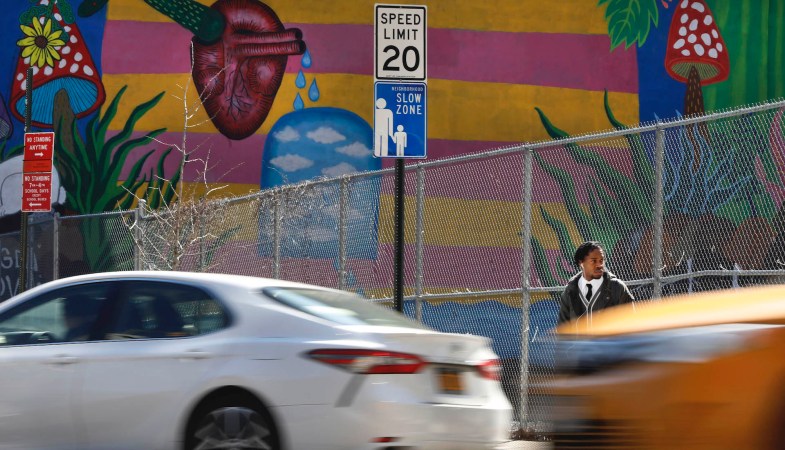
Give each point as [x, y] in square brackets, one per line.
[681, 206]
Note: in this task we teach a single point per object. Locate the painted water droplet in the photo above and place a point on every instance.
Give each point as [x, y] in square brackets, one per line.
[300, 80]
[306, 60]
[313, 91]
[298, 103]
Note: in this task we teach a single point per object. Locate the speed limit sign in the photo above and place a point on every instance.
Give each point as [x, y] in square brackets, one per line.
[400, 32]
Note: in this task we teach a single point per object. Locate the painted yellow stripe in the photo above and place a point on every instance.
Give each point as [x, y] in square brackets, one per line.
[457, 110]
[481, 223]
[535, 16]
[194, 190]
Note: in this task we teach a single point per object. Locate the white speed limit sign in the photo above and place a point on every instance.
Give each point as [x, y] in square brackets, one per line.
[400, 32]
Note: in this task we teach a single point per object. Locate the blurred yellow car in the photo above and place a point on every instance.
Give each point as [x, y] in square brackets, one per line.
[705, 371]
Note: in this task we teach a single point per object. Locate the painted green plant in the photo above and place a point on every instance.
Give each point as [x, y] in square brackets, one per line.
[699, 180]
[90, 171]
[629, 21]
[617, 203]
[746, 137]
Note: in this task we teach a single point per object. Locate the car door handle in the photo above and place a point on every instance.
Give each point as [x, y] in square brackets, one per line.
[196, 354]
[61, 360]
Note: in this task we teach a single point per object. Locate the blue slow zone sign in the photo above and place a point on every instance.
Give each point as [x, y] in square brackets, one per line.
[399, 120]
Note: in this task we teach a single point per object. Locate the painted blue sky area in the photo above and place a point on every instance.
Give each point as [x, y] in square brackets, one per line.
[498, 321]
[327, 143]
[316, 142]
[92, 29]
[659, 95]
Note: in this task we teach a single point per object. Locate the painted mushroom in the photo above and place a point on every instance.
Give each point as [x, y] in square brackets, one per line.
[57, 65]
[696, 52]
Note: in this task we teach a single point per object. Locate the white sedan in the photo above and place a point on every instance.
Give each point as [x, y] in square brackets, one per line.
[175, 360]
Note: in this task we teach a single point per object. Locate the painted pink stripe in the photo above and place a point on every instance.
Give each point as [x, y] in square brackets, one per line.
[501, 177]
[497, 178]
[230, 161]
[574, 61]
[457, 268]
[460, 268]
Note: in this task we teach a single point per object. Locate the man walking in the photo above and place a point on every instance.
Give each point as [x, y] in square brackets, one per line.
[593, 288]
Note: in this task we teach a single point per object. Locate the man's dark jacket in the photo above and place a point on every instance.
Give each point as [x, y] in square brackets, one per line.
[612, 292]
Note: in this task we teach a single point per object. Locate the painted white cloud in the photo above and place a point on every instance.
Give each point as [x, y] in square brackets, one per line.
[339, 169]
[316, 234]
[291, 163]
[325, 135]
[288, 134]
[357, 150]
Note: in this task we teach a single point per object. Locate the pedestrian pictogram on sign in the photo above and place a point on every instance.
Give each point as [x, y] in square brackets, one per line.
[37, 172]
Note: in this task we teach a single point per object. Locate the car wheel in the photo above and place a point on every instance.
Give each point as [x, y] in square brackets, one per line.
[232, 423]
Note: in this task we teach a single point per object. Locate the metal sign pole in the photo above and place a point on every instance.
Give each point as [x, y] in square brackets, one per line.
[400, 99]
[400, 187]
[23, 237]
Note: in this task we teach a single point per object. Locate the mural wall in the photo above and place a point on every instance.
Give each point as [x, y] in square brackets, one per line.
[280, 92]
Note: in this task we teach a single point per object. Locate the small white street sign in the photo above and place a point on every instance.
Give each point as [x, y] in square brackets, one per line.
[400, 33]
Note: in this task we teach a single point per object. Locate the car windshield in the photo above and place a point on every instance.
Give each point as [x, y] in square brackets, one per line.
[339, 307]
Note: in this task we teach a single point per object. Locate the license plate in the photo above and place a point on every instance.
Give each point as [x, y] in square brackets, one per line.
[450, 381]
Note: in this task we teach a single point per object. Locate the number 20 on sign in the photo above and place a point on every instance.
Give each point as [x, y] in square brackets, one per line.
[400, 33]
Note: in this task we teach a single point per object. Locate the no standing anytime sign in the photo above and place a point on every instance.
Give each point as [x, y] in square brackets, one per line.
[37, 172]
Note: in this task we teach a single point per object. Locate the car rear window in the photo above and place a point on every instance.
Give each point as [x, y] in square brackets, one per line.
[340, 307]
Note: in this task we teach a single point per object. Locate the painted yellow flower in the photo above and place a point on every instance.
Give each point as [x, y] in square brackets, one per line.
[40, 42]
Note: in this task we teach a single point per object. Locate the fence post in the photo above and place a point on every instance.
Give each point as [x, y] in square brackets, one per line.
[659, 156]
[342, 231]
[277, 194]
[526, 233]
[201, 234]
[419, 233]
[56, 246]
[138, 235]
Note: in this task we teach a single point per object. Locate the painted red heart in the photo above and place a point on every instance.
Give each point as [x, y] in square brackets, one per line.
[238, 76]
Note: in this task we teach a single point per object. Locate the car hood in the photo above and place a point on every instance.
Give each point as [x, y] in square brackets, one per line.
[765, 304]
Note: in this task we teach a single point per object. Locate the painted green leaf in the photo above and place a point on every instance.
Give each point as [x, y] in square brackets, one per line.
[34, 11]
[629, 21]
[66, 12]
[642, 167]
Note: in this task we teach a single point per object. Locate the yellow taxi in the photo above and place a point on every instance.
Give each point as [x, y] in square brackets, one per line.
[705, 371]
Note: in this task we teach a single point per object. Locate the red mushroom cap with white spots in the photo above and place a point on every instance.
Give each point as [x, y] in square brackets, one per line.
[694, 40]
[74, 71]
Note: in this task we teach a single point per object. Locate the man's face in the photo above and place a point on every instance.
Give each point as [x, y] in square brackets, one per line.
[593, 264]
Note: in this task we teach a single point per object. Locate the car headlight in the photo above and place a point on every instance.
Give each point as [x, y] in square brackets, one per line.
[688, 345]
